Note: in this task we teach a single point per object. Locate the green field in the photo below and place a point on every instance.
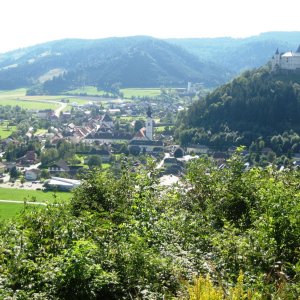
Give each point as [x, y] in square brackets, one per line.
[5, 131]
[139, 92]
[88, 90]
[13, 93]
[39, 196]
[9, 210]
[18, 97]
[26, 104]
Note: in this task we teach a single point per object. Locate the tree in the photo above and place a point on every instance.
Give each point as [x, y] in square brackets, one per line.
[22, 179]
[14, 173]
[94, 161]
[138, 124]
[178, 153]
[135, 150]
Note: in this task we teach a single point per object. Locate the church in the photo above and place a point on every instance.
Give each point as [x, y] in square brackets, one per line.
[143, 139]
[288, 61]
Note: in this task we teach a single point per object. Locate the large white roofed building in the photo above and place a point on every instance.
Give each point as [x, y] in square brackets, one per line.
[288, 61]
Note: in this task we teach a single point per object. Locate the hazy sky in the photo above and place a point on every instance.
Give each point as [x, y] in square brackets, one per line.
[28, 22]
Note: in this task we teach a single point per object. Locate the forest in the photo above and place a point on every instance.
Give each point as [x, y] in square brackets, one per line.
[258, 105]
[224, 233]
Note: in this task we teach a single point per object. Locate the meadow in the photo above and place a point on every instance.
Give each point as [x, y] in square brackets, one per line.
[140, 92]
[88, 90]
[10, 210]
[29, 195]
[6, 131]
[18, 97]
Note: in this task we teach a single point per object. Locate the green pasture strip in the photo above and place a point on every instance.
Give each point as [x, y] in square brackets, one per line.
[13, 93]
[29, 195]
[9, 210]
[26, 104]
[5, 131]
[43, 98]
[88, 90]
[141, 92]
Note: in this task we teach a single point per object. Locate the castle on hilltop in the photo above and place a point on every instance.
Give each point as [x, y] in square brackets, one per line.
[288, 61]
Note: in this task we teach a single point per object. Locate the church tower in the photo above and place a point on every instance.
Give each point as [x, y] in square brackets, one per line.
[276, 61]
[149, 124]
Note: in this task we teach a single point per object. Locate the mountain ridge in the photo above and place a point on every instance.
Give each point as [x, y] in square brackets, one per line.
[138, 61]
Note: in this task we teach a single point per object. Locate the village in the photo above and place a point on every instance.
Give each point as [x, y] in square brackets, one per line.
[63, 145]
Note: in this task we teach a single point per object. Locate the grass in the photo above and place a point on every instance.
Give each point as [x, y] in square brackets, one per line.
[18, 97]
[13, 93]
[88, 90]
[105, 166]
[159, 129]
[139, 92]
[9, 210]
[39, 196]
[5, 131]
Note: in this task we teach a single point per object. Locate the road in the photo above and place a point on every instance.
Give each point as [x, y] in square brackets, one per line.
[159, 166]
[22, 202]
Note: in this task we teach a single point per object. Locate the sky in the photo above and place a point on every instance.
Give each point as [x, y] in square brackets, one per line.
[25, 23]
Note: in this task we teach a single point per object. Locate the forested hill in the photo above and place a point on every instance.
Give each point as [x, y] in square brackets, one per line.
[240, 54]
[256, 104]
[132, 62]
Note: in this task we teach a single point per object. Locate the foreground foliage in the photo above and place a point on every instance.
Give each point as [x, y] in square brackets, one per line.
[129, 238]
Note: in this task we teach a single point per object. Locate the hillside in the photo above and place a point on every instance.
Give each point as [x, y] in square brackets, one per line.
[240, 54]
[255, 105]
[138, 61]
[132, 62]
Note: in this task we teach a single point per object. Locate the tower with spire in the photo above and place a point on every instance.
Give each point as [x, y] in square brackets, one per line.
[149, 124]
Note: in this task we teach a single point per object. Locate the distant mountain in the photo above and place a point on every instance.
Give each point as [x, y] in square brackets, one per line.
[139, 61]
[131, 62]
[239, 54]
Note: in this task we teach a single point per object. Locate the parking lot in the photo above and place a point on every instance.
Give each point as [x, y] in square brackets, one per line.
[28, 185]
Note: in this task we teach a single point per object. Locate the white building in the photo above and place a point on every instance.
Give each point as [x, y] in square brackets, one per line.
[289, 61]
[149, 125]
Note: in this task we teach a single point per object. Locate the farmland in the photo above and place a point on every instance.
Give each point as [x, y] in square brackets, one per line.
[139, 92]
[18, 97]
[87, 90]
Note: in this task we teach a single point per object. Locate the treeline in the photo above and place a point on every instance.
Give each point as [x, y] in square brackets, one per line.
[129, 238]
[255, 105]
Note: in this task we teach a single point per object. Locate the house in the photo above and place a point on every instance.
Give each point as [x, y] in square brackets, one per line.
[45, 114]
[32, 174]
[60, 166]
[29, 158]
[146, 146]
[197, 149]
[107, 137]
